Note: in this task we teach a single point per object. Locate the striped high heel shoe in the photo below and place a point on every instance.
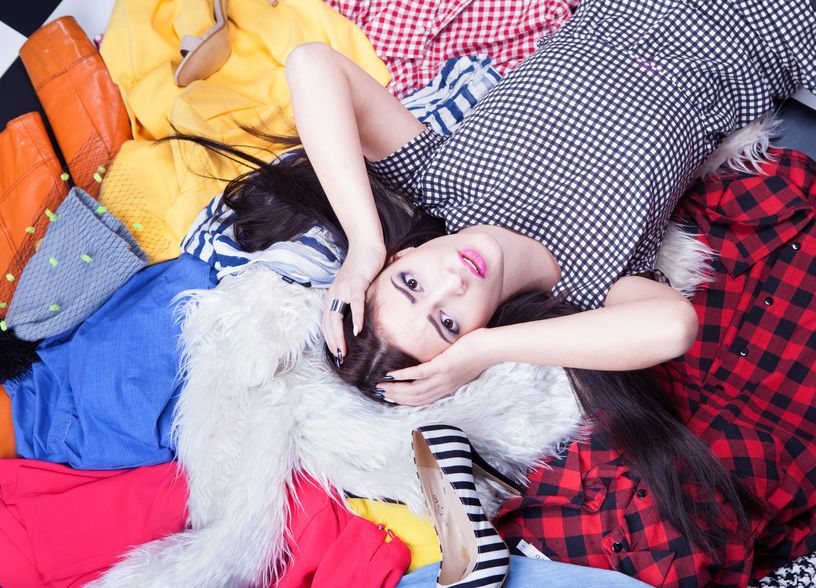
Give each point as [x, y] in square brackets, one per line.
[473, 553]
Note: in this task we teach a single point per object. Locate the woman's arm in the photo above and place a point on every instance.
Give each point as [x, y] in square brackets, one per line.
[643, 324]
[343, 115]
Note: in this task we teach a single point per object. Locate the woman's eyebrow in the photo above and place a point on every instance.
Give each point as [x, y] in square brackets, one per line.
[413, 301]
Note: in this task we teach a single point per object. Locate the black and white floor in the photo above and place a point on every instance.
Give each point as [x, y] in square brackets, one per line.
[19, 19]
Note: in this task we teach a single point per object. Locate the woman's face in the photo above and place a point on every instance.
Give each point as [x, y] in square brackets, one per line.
[431, 295]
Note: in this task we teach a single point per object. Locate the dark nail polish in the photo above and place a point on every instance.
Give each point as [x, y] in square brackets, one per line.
[379, 391]
[339, 357]
[388, 378]
[377, 395]
[337, 362]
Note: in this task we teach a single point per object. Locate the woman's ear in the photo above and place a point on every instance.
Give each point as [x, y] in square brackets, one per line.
[400, 253]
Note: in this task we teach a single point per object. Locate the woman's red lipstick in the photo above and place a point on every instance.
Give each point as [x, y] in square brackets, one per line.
[474, 262]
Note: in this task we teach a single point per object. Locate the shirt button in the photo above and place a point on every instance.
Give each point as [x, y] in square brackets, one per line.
[641, 493]
[768, 301]
[743, 352]
[617, 547]
[796, 245]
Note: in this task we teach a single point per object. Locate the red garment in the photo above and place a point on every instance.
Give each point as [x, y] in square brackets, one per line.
[747, 388]
[60, 527]
[334, 548]
[414, 38]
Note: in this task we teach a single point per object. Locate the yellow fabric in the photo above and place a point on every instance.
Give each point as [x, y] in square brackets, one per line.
[155, 188]
[416, 532]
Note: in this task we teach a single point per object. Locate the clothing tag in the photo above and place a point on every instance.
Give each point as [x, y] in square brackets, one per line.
[530, 551]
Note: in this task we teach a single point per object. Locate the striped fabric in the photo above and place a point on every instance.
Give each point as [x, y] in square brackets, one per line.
[452, 451]
[447, 99]
[311, 260]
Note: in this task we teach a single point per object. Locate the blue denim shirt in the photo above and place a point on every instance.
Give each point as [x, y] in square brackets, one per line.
[102, 396]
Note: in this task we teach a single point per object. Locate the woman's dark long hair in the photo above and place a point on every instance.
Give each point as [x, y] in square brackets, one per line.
[281, 200]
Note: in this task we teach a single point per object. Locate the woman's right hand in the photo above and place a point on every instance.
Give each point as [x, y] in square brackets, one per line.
[361, 266]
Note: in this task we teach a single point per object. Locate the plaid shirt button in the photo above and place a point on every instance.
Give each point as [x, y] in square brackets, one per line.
[768, 301]
[743, 352]
[641, 493]
[796, 245]
[617, 547]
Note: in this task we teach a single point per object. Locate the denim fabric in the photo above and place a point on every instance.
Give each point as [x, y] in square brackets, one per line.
[102, 396]
[534, 573]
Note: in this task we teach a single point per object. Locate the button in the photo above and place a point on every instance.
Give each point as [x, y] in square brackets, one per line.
[796, 245]
[768, 301]
[641, 493]
[743, 352]
[617, 547]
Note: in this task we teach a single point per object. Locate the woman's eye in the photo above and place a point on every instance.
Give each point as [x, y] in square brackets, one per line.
[410, 281]
[450, 325]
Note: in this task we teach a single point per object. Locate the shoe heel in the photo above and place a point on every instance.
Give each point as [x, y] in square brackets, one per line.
[488, 471]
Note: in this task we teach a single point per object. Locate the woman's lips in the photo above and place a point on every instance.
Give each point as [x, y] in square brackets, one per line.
[474, 262]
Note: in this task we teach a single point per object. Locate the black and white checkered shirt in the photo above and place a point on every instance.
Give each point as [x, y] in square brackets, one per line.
[588, 144]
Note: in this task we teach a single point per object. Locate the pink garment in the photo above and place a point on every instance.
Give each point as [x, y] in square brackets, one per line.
[63, 528]
[414, 38]
[60, 527]
[334, 548]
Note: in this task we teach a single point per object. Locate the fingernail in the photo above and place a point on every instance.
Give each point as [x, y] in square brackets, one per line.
[337, 362]
[339, 357]
[354, 330]
[389, 400]
[388, 378]
[378, 394]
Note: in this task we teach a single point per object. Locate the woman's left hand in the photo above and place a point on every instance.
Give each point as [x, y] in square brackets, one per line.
[443, 375]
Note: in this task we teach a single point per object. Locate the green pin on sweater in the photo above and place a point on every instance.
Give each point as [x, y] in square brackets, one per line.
[3, 326]
[10, 277]
[3, 305]
[50, 214]
[53, 261]
[64, 176]
[86, 258]
[101, 210]
[30, 230]
[54, 307]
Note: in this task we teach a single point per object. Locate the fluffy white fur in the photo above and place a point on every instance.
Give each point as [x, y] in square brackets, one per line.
[745, 150]
[260, 404]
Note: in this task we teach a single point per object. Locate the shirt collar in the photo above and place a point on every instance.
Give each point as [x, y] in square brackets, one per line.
[746, 218]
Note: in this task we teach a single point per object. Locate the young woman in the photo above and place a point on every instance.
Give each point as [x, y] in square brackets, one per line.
[560, 180]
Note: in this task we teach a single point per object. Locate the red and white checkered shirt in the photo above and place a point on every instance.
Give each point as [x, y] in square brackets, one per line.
[415, 37]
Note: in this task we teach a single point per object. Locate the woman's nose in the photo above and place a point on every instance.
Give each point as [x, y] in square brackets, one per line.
[457, 281]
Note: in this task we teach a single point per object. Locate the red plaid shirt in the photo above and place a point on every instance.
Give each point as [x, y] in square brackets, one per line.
[747, 387]
[415, 37]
